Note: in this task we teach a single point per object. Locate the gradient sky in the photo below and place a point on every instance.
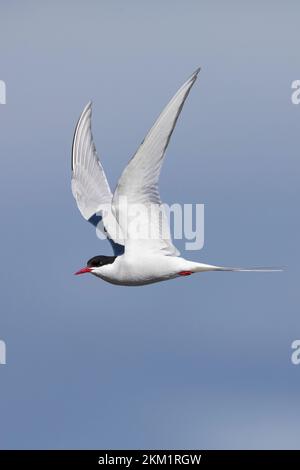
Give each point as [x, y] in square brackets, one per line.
[198, 362]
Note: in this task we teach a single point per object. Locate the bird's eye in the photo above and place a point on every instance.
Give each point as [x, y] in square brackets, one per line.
[98, 261]
[95, 262]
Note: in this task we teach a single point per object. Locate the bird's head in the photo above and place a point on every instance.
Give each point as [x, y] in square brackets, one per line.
[94, 264]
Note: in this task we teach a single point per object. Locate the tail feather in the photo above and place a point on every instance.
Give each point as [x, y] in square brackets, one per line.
[200, 267]
[254, 269]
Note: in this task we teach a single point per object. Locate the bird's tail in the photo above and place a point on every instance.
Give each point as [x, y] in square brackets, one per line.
[258, 269]
[199, 267]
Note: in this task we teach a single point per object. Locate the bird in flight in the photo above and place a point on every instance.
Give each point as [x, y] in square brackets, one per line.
[138, 258]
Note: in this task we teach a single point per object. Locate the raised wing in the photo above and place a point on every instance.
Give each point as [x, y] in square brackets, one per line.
[138, 184]
[89, 184]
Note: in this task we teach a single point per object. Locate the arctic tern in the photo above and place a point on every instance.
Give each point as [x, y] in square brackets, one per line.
[136, 260]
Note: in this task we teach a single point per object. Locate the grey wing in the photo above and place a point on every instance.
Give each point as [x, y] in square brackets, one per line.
[90, 187]
[139, 181]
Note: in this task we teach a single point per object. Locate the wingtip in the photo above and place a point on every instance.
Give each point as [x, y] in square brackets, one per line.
[195, 74]
[88, 106]
[86, 111]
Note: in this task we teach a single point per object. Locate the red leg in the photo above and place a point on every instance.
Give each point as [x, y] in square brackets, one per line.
[185, 273]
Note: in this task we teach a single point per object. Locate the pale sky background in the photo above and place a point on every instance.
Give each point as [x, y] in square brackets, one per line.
[199, 362]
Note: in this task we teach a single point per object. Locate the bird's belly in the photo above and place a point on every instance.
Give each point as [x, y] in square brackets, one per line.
[142, 270]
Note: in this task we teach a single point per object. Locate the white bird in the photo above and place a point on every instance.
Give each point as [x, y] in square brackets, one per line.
[138, 259]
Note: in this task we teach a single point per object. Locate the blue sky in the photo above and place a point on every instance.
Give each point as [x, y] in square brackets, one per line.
[198, 362]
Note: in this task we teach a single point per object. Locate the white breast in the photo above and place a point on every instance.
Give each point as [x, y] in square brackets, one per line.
[129, 270]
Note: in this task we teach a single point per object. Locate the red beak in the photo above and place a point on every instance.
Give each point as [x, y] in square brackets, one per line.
[83, 270]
